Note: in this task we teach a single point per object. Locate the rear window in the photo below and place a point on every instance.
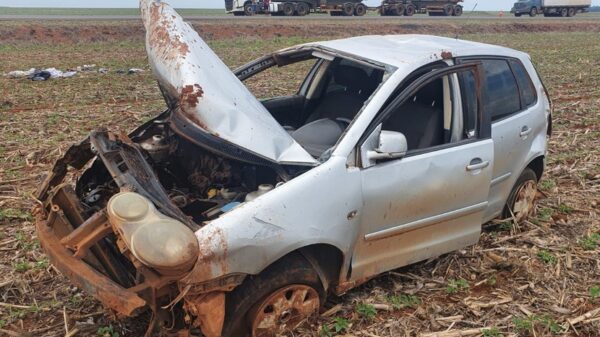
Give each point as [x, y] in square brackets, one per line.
[501, 94]
[528, 96]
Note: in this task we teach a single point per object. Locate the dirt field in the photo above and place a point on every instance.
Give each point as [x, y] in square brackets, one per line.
[527, 279]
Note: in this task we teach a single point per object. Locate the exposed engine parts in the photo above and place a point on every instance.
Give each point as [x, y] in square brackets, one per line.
[200, 183]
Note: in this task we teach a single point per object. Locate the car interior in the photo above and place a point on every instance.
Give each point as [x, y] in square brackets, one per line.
[434, 115]
[334, 92]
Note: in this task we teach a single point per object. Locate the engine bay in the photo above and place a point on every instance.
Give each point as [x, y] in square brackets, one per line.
[201, 184]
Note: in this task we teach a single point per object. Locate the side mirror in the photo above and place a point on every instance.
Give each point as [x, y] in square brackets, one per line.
[383, 144]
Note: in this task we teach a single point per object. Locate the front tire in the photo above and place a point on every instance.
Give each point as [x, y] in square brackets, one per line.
[458, 11]
[248, 10]
[410, 10]
[521, 200]
[533, 13]
[571, 13]
[285, 293]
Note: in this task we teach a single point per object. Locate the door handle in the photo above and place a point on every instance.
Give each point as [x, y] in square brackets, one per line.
[525, 131]
[477, 164]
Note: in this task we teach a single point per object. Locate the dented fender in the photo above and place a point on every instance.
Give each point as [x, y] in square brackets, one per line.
[255, 234]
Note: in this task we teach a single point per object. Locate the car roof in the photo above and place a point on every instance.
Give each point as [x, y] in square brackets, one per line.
[412, 49]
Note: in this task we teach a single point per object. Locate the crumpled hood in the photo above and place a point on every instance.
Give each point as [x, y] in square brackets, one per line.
[202, 89]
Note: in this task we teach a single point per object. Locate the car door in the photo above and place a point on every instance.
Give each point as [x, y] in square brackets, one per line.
[432, 200]
[510, 100]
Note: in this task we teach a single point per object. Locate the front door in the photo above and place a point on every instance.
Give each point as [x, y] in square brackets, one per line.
[431, 201]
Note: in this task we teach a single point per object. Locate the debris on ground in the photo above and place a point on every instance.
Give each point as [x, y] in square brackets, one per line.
[44, 74]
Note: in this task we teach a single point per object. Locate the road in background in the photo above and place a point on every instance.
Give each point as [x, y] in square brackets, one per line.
[12, 17]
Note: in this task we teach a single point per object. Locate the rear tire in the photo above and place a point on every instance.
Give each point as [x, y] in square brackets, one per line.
[360, 9]
[521, 200]
[288, 9]
[348, 9]
[243, 304]
[302, 9]
[410, 10]
[533, 13]
[458, 11]
[571, 13]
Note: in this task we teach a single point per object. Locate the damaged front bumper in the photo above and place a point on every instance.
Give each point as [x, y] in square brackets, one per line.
[123, 301]
[87, 247]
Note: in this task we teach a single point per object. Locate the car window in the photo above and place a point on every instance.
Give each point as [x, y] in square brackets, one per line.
[279, 81]
[528, 96]
[501, 93]
[370, 77]
[422, 117]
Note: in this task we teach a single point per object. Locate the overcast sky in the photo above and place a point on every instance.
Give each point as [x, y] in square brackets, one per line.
[469, 4]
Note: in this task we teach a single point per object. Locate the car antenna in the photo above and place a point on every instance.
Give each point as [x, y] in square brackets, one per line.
[472, 11]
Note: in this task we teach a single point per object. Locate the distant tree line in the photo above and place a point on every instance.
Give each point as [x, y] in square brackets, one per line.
[595, 9]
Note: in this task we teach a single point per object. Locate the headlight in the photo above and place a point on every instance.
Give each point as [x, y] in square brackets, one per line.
[158, 241]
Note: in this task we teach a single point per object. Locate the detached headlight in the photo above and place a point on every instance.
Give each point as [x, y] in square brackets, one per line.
[158, 241]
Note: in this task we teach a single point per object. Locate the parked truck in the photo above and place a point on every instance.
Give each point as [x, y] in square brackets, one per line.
[564, 8]
[296, 7]
[431, 7]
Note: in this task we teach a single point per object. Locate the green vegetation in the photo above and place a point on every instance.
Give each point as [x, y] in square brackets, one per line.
[492, 332]
[107, 331]
[366, 311]
[16, 214]
[455, 286]
[545, 214]
[565, 209]
[546, 257]
[590, 242]
[527, 324]
[404, 301]
[340, 324]
[547, 184]
[595, 292]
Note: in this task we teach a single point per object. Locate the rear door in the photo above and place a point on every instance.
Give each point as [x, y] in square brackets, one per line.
[510, 99]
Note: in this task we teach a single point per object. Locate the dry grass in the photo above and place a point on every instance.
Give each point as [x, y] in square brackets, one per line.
[525, 280]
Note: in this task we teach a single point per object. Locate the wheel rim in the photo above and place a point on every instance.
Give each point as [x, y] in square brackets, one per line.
[283, 310]
[524, 201]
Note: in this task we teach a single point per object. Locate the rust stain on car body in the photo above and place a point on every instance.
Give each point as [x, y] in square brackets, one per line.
[190, 95]
[168, 45]
[209, 310]
[446, 55]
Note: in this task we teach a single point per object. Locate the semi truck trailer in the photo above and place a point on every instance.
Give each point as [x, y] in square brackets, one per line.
[564, 8]
[431, 7]
[296, 7]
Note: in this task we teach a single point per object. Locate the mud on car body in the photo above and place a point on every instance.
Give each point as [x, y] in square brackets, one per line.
[238, 216]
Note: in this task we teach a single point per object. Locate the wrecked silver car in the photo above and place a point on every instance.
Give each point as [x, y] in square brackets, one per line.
[238, 216]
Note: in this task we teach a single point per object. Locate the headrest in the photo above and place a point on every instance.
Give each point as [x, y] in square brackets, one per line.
[351, 77]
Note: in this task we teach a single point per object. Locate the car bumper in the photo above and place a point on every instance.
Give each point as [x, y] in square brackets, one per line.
[111, 294]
